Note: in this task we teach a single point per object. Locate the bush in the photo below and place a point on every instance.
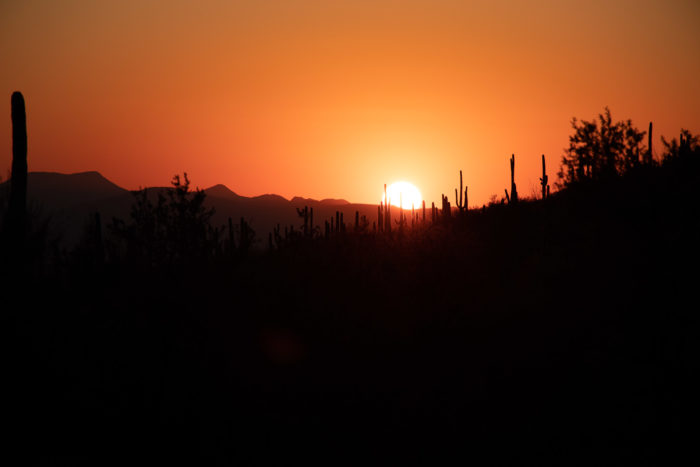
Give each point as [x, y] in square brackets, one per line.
[601, 148]
[173, 231]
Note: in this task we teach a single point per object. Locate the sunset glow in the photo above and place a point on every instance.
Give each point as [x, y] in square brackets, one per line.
[403, 194]
[247, 231]
[332, 99]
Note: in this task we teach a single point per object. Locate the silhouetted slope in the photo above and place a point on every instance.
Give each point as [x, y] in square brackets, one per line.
[67, 190]
[561, 332]
[66, 201]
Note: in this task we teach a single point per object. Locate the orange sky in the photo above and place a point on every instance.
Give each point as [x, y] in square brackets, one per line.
[335, 98]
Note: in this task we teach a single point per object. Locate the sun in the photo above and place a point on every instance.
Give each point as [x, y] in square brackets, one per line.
[403, 193]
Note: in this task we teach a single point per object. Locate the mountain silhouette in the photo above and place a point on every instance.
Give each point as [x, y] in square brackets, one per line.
[222, 191]
[299, 201]
[56, 190]
[69, 199]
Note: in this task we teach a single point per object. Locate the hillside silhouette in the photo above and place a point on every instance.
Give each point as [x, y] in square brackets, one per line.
[558, 330]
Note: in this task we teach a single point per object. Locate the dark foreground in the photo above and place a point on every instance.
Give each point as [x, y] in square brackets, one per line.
[563, 331]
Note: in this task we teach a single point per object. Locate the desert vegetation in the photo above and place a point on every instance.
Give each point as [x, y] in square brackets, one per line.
[555, 328]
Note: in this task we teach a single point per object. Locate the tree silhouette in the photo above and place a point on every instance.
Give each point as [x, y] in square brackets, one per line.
[600, 148]
[174, 230]
[688, 144]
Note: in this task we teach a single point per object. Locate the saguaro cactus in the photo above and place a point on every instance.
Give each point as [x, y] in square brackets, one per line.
[649, 154]
[305, 214]
[388, 217]
[446, 208]
[513, 190]
[462, 204]
[466, 199]
[308, 214]
[544, 180]
[17, 210]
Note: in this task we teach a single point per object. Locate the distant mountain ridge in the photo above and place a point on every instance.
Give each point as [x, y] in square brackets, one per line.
[221, 191]
[69, 200]
[326, 201]
[60, 190]
[44, 185]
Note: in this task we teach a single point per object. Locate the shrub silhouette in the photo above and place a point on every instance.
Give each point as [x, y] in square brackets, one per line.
[689, 144]
[600, 149]
[173, 231]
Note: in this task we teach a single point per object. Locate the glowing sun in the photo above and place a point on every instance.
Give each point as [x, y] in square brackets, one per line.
[403, 193]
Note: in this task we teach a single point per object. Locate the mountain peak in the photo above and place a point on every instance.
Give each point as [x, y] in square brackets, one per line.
[270, 197]
[334, 202]
[221, 191]
[92, 183]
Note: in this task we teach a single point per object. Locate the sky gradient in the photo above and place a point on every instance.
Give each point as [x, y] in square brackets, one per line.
[332, 99]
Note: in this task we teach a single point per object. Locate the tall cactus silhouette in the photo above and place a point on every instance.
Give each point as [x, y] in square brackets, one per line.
[544, 180]
[461, 203]
[466, 199]
[446, 208]
[308, 226]
[387, 212]
[513, 198]
[458, 199]
[649, 156]
[17, 209]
